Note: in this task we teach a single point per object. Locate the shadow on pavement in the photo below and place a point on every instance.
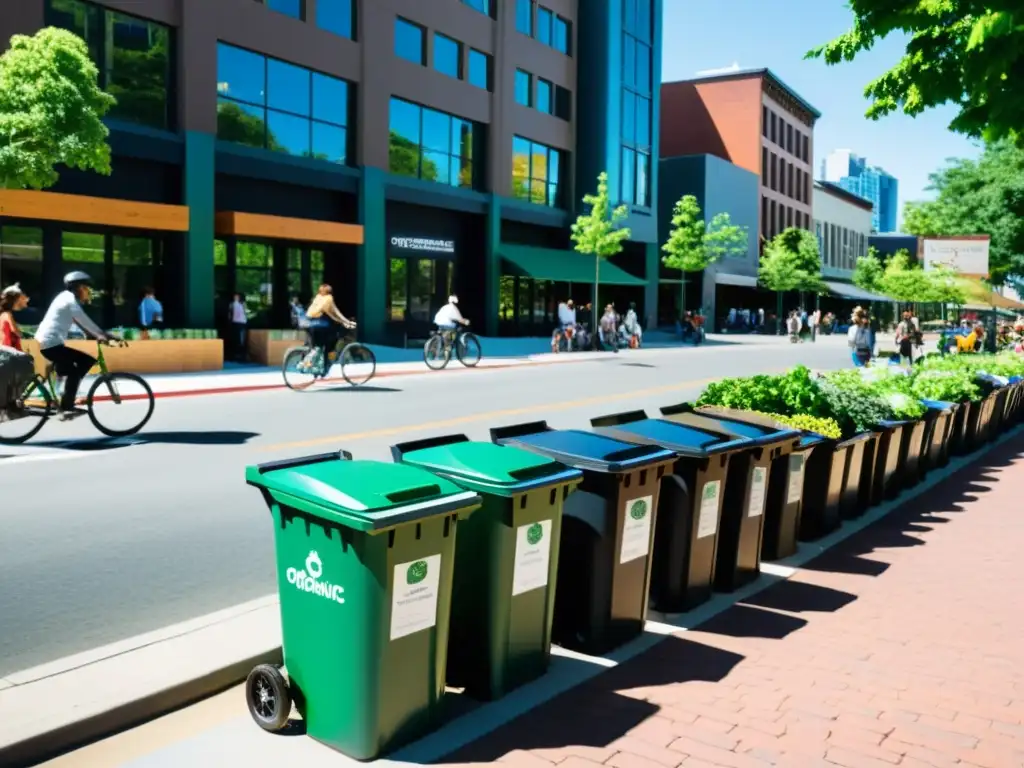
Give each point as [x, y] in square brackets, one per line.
[799, 597]
[747, 621]
[909, 524]
[173, 437]
[342, 387]
[598, 712]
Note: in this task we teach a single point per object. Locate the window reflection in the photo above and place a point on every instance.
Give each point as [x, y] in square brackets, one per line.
[135, 263]
[410, 43]
[86, 252]
[291, 8]
[133, 56]
[254, 279]
[271, 104]
[536, 172]
[431, 145]
[524, 88]
[480, 69]
[447, 56]
[337, 16]
[21, 261]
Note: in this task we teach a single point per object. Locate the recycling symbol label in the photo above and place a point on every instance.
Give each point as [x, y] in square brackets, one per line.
[534, 534]
[310, 580]
[416, 572]
[638, 510]
[314, 565]
[533, 557]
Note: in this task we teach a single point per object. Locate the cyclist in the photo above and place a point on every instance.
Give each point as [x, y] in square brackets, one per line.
[323, 314]
[65, 311]
[448, 317]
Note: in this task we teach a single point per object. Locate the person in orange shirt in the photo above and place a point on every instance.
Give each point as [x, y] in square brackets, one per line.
[323, 314]
[972, 341]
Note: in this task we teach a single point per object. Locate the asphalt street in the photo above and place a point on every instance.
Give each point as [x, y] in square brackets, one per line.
[103, 540]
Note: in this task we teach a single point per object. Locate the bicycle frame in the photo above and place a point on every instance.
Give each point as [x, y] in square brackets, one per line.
[49, 382]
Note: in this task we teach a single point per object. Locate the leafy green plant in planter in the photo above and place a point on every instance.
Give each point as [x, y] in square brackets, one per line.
[826, 427]
[892, 387]
[946, 386]
[794, 392]
[855, 409]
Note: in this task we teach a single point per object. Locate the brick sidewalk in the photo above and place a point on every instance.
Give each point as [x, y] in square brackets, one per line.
[902, 646]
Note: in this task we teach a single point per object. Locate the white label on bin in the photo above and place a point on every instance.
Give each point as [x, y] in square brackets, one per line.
[796, 479]
[636, 529]
[414, 596]
[758, 489]
[533, 557]
[707, 520]
[308, 580]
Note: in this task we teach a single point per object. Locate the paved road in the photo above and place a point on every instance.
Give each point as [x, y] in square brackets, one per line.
[103, 541]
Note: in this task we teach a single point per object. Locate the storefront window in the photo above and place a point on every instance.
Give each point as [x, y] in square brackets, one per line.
[316, 270]
[133, 56]
[536, 172]
[417, 288]
[271, 104]
[295, 286]
[86, 252]
[135, 269]
[398, 277]
[431, 145]
[254, 279]
[506, 298]
[21, 261]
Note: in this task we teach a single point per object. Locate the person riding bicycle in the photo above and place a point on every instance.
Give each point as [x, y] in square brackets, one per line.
[16, 366]
[448, 317]
[323, 314]
[64, 312]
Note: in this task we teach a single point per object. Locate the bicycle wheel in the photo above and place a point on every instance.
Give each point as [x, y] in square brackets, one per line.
[31, 412]
[358, 363]
[298, 372]
[468, 350]
[119, 404]
[436, 353]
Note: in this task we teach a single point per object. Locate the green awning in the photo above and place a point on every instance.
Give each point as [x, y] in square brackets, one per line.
[561, 266]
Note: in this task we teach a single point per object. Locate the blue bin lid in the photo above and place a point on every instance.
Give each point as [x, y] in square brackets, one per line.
[591, 451]
[811, 439]
[938, 405]
[757, 434]
[682, 439]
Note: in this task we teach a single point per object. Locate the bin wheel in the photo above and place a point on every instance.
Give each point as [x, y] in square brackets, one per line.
[266, 693]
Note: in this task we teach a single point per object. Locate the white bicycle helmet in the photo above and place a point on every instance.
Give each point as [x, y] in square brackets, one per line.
[453, 299]
[76, 278]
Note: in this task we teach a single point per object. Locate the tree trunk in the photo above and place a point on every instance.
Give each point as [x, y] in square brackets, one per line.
[682, 296]
[594, 316]
[778, 313]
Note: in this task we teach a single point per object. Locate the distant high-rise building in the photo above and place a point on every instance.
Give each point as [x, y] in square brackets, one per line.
[853, 174]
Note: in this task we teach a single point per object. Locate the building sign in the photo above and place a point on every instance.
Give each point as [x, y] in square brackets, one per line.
[426, 244]
[966, 255]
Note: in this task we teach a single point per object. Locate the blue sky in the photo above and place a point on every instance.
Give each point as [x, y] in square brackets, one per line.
[758, 33]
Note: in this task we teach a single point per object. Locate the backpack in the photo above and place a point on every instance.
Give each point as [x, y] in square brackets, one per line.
[862, 340]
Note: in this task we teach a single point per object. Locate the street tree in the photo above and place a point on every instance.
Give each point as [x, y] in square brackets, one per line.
[51, 110]
[904, 281]
[600, 232]
[694, 244]
[946, 287]
[791, 262]
[968, 53]
[979, 197]
[867, 273]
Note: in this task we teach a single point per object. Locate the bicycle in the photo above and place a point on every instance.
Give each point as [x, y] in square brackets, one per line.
[437, 352]
[302, 366]
[38, 402]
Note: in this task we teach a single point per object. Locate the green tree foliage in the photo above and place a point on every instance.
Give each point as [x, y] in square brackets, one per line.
[600, 233]
[694, 245]
[982, 197]
[905, 281]
[138, 79]
[964, 52]
[793, 257]
[404, 158]
[51, 110]
[237, 125]
[867, 273]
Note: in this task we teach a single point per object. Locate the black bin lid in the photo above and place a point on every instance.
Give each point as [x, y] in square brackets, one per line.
[682, 439]
[590, 451]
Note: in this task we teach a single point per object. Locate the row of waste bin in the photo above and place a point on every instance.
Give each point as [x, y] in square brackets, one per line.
[460, 563]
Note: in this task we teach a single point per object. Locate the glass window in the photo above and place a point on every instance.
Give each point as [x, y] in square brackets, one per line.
[398, 288]
[545, 21]
[479, 69]
[275, 105]
[628, 171]
[644, 29]
[288, 87]
[134, 270]
[485, 7]
[430, 145]
[524, 17]
[87, 252]
[561, 35]
[133, 56]
[291, 8]
[21, 261]
[643, 167]
[643, 67]
[545, 96]
[536, 172]
[337, 16]
[643, 122]
[524, 88]
[410, 41]
[447, 55]
[629, 61]
[629, 117]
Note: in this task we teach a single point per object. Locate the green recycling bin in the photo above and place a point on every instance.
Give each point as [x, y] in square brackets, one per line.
[365, 552]
[506, 559]
[604, 561]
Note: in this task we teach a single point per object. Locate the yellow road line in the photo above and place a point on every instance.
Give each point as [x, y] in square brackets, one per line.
[341, 440]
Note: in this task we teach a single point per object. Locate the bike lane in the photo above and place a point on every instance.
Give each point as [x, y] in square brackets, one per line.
[901, 646]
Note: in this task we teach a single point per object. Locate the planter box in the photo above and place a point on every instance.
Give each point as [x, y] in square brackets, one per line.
[941, 420]
[149, 356]
[889, 455]
[971, 427]
[858, 475]
[911, 449]
[826, 484]
[268, 347]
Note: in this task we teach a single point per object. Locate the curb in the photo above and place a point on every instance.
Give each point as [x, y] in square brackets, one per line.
[76, 733]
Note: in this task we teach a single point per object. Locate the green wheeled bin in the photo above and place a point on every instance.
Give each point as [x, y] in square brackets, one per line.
[608, 524]
[365, 552]
[506, 559]
[689, 507]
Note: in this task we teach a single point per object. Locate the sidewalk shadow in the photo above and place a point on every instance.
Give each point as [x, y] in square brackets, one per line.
[909, 524]
[800, 597]
[748, 621]
[599, 712]
[172, 437]
[341, 386]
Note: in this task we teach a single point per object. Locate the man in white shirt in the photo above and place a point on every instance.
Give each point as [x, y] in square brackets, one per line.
[448, 317]
[567, 314]
[64, 312]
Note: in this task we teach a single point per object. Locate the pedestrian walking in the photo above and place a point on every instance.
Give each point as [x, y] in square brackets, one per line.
[238, 323]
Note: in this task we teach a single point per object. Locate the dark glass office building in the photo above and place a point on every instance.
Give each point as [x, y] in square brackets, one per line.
[398, 150]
